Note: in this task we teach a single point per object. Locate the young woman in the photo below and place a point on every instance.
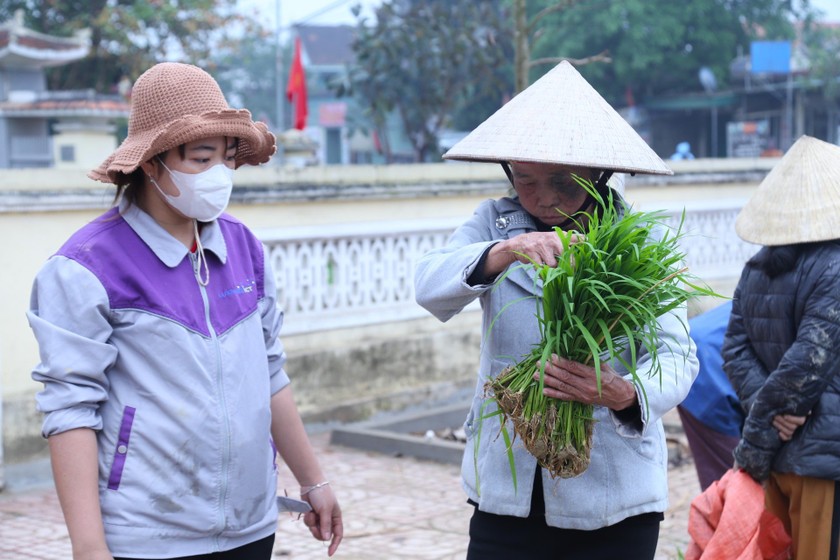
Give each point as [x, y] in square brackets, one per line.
[164, 391]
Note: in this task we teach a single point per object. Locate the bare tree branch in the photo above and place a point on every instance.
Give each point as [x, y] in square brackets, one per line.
[546, 11]
[603, 56]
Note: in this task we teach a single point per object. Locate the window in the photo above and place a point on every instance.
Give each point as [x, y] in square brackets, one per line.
[68, 153]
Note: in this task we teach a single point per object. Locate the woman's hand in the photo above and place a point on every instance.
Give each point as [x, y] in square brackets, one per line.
[787, 424]
[572, 381]
[541, 247]
[324, 521]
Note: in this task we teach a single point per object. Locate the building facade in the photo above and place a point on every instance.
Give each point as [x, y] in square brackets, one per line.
[41, 128]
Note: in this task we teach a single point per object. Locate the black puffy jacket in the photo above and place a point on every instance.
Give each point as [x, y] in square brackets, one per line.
[782, 355]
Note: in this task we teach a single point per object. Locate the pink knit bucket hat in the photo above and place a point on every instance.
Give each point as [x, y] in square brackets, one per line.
[174, 103]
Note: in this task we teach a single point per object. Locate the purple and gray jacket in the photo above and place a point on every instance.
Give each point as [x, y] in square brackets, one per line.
[174, 377]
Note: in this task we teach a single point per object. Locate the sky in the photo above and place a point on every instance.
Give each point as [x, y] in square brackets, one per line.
[320, 12]
[334, 12]
[830, 7]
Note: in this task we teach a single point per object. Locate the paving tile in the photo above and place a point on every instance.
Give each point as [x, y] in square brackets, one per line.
[394, 508]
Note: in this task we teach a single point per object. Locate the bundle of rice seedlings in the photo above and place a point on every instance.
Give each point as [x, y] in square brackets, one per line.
[603, 297]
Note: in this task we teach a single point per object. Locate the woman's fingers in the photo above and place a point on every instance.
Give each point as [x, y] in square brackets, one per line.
[566, 377]
[538, 247]
[787, 424]
[568, 380]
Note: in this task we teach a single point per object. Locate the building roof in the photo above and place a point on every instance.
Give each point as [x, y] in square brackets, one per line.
[327, 45]
[24, 48]
[68, 104]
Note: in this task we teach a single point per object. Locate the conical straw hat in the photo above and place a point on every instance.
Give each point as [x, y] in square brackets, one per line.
[798, 201]
[560, 119]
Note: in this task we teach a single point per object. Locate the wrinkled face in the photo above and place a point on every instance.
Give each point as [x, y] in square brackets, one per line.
[547, 191]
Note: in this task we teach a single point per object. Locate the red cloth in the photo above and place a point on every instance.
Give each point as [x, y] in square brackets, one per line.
[728, 522]
[296, 88]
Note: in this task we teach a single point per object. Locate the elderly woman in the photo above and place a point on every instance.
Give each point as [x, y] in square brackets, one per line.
[557, 127]
[782, 345]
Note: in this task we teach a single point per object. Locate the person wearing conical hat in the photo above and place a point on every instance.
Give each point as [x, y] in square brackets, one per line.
[165, 397]
[557, 127]
[782, 346]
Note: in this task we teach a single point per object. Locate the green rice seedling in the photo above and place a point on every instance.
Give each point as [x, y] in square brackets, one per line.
[603, 298]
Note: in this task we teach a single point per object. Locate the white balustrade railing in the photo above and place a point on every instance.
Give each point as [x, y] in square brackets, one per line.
[360, 274]
[713, 249]
[350, 274]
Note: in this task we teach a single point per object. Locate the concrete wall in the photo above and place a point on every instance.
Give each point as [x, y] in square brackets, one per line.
[337, 375]
[351, 371]
[88, 142]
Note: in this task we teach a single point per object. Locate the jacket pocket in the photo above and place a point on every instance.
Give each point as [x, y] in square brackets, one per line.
[651, 447]
[121, 452]
[469, 423]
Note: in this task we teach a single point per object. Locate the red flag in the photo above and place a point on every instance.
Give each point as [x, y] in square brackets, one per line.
[377, 143]
[296, 88]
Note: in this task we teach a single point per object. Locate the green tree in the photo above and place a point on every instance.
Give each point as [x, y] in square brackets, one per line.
[526, 27]
[822, 48]
[246, 72]
[128, 36]
[823, 51]
[657, 46]
[422, 59]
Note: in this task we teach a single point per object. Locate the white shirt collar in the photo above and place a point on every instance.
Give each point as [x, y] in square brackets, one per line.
[168, 249]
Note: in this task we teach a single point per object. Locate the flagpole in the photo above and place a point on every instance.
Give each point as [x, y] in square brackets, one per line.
[280, 93]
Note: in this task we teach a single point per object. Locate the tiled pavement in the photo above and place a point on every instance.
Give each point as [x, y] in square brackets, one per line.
[394, 507]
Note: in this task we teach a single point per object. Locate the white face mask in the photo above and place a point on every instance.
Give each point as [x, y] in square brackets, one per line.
[204, 196]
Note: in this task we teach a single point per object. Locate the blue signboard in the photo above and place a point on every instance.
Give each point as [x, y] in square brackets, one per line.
[770, 57]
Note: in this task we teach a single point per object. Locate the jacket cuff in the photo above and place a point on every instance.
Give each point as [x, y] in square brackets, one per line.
[755, 461]
[68, 419]
[279, 380]
[630, 422]
[474, 277]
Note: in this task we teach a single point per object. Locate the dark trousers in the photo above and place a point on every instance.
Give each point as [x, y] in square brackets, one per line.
[257, 550]
[712, 450]
[502, 537]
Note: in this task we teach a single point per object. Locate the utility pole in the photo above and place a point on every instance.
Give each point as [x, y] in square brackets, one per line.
[788, 126]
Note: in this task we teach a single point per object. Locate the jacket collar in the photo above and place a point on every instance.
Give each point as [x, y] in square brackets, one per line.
[512, 221]
[169, 250]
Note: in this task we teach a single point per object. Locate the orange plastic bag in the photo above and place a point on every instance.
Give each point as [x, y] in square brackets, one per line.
[728, 522]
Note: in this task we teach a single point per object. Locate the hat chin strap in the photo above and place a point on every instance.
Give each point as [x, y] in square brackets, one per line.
[506, 167]
[203, 276]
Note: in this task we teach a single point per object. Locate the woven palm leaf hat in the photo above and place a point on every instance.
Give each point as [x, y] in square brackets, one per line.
[560, 119]
[172, 104]
[798, 201]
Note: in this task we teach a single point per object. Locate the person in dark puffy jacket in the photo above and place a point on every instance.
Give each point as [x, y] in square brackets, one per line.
[782, 345]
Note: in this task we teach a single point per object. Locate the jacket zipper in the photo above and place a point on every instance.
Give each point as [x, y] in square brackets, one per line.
[223, 488]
